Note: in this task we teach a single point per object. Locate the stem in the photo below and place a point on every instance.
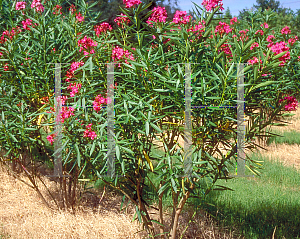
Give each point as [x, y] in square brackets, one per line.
[178, 211]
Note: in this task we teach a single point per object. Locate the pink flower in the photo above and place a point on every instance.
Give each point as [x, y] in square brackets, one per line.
[50, 138]
[233, 20]
[159, 14]
[72, 9]
[37, 5]
[212, 4]
[198, 28]
[6, 67]
[103, 27]
[79, 17]
[259, 31]
[20, 5]
[27, 23]
[131, 3]
[255, 44]
[88, 44]
[291, 103]
[292, 40]
[124, 19]
[119, 54]
[265, 25]
[281, 47]
[286, 30]
[269, 38]
[89, 133]
[74, 67]
[57, 10]
[62, 99]
[223, 27]
[74, 87]
[226, 49]
[181, 18]
[99, 100]
[243, 35]
[66, 113]
[254, 60]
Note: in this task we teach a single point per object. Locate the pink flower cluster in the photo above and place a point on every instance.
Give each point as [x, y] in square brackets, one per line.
[259, 31]
[233, 20]
[198, 28]
[72, 9]
[124, 19]
[63, 99]
[6, 68]
[74, 87]
[89, 133]
[255, 44]
[79, 17]
[265, 25]
[88, 44]
[9, 34]
[131, 3]
[286, 30]
[103, 27]
[226, 49]
[212, 4]
[50, 138]
[281, 47]
[57, 10]
[66, 113]
[158, 14]
[292, 40]
[181, 18]
[254, 60]
[20, 5]
[222, 28]
[27, 23]
[99, 100]
[119, 53]
[270, 39]
[291, 103]
[74, 67]
[243, 36]
[37, 5]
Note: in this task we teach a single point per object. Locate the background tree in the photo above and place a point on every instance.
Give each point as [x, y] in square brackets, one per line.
[265, 4]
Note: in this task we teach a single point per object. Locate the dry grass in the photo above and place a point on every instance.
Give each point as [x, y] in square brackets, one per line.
[23, 214]
[287, 154]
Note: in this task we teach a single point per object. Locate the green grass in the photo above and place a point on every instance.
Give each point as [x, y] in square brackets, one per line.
[288, 137]
[255, 207]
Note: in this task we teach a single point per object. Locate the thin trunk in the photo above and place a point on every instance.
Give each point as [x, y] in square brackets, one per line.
[161, 215]
[146, 218]
[178, 211]
[175, 202]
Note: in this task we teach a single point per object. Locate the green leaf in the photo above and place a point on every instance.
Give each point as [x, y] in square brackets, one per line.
[248, 45]
[118, 152]
[278, 55]
[78, 155]
[92, 149]
[263, 84]
[163, 188]
[221, 42]
[174, 185]
[156, 127]
[147, 128]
